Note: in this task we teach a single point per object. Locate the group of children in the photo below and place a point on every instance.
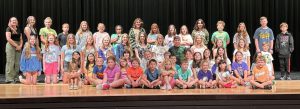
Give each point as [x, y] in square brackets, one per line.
[138, 60]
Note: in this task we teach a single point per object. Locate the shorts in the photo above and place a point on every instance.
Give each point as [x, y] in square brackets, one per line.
[51, 68]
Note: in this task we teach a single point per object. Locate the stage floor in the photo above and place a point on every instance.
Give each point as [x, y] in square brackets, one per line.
[15, 91]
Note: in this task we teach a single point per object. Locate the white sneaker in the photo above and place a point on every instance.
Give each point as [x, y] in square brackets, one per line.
[169, 87]
[163, 87]
[20, 77]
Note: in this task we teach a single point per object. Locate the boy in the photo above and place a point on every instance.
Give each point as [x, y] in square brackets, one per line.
[62, 37]
[268, 58]
[184, 79]
[284, 46]
[177, 50]
[263, 34]
[220, 34]
[261, 78]
[152, 76]
[135, 73]
[147, 56]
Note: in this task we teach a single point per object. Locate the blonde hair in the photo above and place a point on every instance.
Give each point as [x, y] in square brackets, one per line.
[68, 43]
[28, 21]
[154, 25]
[14, 31]
[243, 33]
[220, 22]
[123, 58]
[164, 65]
[137, 19]
[263, 18]
[80, 31]
[182, 27]
[28, 50]
[127, 43]
[106, 37]
[215, 45]
[47, 41]
[202, 40]
[161, 36]
[284, 24]
[48, 18]
[93, 45]
[169, 32]
[246, 46]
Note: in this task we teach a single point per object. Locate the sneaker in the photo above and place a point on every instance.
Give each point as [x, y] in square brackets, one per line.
[70, 87]
[156, 87]
[105, 86]
[20, 77]
[163, 87]
[145, 87]
[75, 87]
[269, 87]
[127, 86]
[99, 86]
[254, 87]
[169, 87]
[282, 78]
[193, 87]
[288, 78]
[247, 84]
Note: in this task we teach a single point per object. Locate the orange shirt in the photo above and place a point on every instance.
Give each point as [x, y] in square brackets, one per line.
[135, 73]
[261, 74]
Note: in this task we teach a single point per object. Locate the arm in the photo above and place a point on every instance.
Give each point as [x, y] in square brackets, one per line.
[62, 61]
[10, 41]
[117, 76]
[256, 45]
[43, 40]
[104, 78]
[27, 32]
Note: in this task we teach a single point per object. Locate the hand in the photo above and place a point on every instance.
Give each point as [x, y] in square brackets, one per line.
[271, 51]
[18, 48]
[257, 50]
[44, 69]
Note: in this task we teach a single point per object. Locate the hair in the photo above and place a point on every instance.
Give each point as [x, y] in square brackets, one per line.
[169, 32]
[65, 24]
[154, 25]
[28, 21]
[160, 35]
[127, 51]
[119, 26]
[48, 18]
[202, 40]
[224, 55]
[176, 37]
[196, 24]
[210, 56]
[93, 44]
[109, 44]
[238, 52]
[242, 33]
[202, 62]
[165, 62]
[152, 60]
[167, 53]
[80, 31]
[136, 60]
[184, 61]
[74, 60]
[68, 43]
[246, 46]
[220, 22]
[145, 35]
[263, 18]
[284, 24]
[260, 58]
[123, 58]
[111, 58]
[28, 50]
[87, 60]
[47, 41]
[265, 43]
[127, 43]
[14, 31]
[195, 62]
[137, 19]
[187, 50]
[184, 26]
[215, 45]
[222, 62]
[101, 24]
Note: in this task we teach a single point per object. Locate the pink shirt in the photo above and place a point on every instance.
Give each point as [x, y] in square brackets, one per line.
[111, 73]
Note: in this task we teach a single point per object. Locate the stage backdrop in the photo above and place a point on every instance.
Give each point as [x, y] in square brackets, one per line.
[163, 12]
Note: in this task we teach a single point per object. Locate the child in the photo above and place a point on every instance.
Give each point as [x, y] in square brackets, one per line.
[74, 71]
[241, 34]
[135, 73]
[261, 78]
[177, 50]
[224, 78]
[88, 68]
[243, 48]
[117, 37]
[215, 65]
[196, 63]
[62, 37]
[200, 29]
[170, 36]
[240, 70]
[122, 46]
[221, 52]
[189, 56]
[159, 49]
[99, 36]
[263, 34]
[135, 31]
[167, 55]
[167, 74]
[152, 74]
[111, 77]
[218, 44]
[106, 46]
[124, 66]
[30, 63]
[185, 37]
[208, 57]
[184, 79]
[51, 59]
[221, 34]
[152, 36]
[146, 58]
[46, 30]
[88, 48]
[205, 77]
[141, 46]
[199, 44]
[173, 60]
[268, 57]
[284, 46]
[98, 72]
[82, 34]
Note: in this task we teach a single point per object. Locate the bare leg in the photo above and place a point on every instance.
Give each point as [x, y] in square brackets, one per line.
[34, 78]
[54, 78]
[117, 83]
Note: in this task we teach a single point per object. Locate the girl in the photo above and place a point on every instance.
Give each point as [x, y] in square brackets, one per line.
[82, 34]
[167, 75]
[135, 31]
[224, 78]
[66, 56]
[142, 46]
[219, 43]
[135, 74]
[189, 57]
[242, 47]
[74, 71]
[111, 75]
[184, 77]
[98, 36]
[51, 59]
[240, 70]
[13, 50]
[207, 56]
[30, 29]
[159, 49]
[152, 76]
[185, 37]
[152, 36]
[46, 30]
[30, 63]
[241, 34]
[88, 49]
[106, 46]
[196, 63]
[124, 66]
[97, 76]
[88, 68]
[117, 37]
[121, 47]
[170, 36]
[205, 76]
[221, 52]
[198, 44]
[127, 56]
[200, 29]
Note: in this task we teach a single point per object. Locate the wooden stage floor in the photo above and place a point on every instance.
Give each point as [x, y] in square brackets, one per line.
[286, 93]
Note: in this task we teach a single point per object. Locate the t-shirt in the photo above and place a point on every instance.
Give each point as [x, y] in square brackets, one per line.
[169, 40]
[263, 35]
[178, 52]
[44, 31]
[52, 54]
[113, 36]
[98, 71]
[98, 37]
[240, 67]
[269, 58]
[246, 54]
[152, 37]
[223, 76]
[260, 74]
[14, 37]
[68, 52]
[224, 36]
[183, 75]
[81, 38]
[159, 52]
[111, 73]
[205, 76]
[186, 38]
[134, 73]
[62, 38]
[151, 76]
[237, 37]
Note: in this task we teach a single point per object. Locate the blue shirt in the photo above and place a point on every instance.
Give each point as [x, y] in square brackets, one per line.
[99, 71]
[151, 76]
[263, 35]
[205, 76]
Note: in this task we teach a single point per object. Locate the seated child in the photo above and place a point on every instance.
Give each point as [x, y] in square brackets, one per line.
[184, 79]
[240, 70]
[135, 73]
[205, 77]
[224, 78]
[152, 76]
[261, 78]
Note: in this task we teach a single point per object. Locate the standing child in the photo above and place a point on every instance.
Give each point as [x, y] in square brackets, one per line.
[221, 34]
[88, 48]
[82, 34]
[284, 46]
[30, 63]
[205, 76]
[170, 36]
[261, 78]
[51, 59]
[243, 48]
[46, 30]
[224, 78]
[88, 68]
[74, 71]
[184, 78]
[152, 36]
[99, 36]
[135, 73]
[152, 75]
[241, 34]
[222, 53]
[167, 73]
[97, 76]
[240, 70]
[117, 37]
[218, 44]
[185, 37]
[263, 34]
[62, 37]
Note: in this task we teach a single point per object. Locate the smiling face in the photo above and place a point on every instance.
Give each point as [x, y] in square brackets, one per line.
[118, 29]
[200, 24]
[238, 56]
[197, 56]
[90, 40]
[135, 64]
[168, 65]
[264, 22]
[32, 40]
[137, 23]
[84, 26]
[205, 66]
[71, 39]
[31, 20]
[99, 61]
[106, 41]
[101, 27]
[48, 23]
[13, 21]
[160, 39]
[152, 65]
[123, 63]
[184, 30]
[111, 63]
[51, 39]
[91, 58]
[76, 55]
[242, 43]
[219, 43]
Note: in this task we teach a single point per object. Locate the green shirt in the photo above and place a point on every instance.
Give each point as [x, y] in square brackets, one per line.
[224, 36]
[44, 31]
[183, 75]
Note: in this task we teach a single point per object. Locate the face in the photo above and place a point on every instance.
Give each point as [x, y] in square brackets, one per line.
[168, 65]
[166, 56]
[152, 65]
[265, 47]
[123, 63]
[184, 65]
[242, 27]
[48, 23]
[106, 41]
[91, 58]
[84, 26]
[118, 30]
[259, 54]
[90, 40]
[198, 39]
[283, 28]
[197, 56]
[242, 43]
[263, 22]
[189, 55]
[111, 63]
[160, 39]
[142, 37]
[71, 40]
[200, 24]
[260, 63]
[51, 39]
[239, 56]
[220, 27]
[76, 56]
[183, 30]
[218, 59]
[154, 29]
[32, 40]
[205, 66]
[126, 55]
[13, 21]
[219, 43]
[206, 53]
[135, 64]
[172, 29]
[138, 24]
[125, 38]
[147, 55]
[173, 59]
[177, 42]
[221, 52]
[223, 66]
[32, 21]
[101, 27]
[65, 28]
[99, 61]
